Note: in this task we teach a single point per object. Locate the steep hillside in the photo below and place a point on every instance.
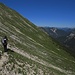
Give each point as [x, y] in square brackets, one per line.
[30, 50]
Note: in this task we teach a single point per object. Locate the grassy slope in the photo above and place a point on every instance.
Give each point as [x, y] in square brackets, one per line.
[46, 55]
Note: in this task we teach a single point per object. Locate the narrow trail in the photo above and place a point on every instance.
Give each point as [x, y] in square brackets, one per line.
[36, 59]
[3, 59]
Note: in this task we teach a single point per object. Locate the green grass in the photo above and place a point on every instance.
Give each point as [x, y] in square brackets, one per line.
[25, 60]
[40, 45]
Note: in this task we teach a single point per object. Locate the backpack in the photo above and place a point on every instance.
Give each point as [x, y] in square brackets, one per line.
[4, 41]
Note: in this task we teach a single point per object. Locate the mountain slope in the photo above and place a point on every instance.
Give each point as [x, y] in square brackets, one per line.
[55, 32]
[66, 36]
[31, 51]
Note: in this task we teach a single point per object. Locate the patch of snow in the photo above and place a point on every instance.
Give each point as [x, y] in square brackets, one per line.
[70, 36]
[53, 30]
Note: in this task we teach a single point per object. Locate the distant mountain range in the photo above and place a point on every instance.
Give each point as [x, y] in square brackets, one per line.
[31, 51]
[66, 36]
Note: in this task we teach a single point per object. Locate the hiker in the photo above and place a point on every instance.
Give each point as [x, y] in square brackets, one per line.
[0, 55]
[4, 42]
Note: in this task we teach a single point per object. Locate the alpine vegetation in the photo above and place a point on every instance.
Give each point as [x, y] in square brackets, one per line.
[30, 51]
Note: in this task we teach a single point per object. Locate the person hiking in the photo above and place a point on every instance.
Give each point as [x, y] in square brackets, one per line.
[4, 42]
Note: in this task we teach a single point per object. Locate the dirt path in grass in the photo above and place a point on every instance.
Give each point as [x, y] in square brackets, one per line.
[3, 59]
[36, 59]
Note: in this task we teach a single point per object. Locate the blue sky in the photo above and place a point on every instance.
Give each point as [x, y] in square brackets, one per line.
[52, 13]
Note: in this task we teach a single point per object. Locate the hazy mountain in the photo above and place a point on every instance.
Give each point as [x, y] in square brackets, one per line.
[66, 36]
[55, 32]
[31, 50]
[70, 41]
